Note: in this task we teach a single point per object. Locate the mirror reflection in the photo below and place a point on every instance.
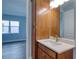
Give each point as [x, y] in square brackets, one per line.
[62, 19]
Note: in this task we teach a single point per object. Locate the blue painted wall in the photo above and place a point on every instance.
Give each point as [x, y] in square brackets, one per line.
[14, 7]
[15, 37]
[61, 25]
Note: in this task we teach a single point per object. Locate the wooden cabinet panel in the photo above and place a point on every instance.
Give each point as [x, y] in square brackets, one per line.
[43, 55]
[48, 57]
[40, 54]
[42, 19]
[66, 55]
[47, 53]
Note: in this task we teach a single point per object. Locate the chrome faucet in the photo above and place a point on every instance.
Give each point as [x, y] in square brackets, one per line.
[56, 38]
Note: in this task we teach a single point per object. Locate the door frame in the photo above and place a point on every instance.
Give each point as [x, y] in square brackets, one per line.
[28, 29]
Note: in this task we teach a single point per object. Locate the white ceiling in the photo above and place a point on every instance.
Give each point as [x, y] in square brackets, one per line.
[68, 5]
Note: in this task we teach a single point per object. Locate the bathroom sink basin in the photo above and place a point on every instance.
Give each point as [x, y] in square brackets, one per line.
[51, 42]
[58, 46]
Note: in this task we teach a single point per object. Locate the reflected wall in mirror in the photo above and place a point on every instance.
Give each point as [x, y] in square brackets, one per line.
[67, 20]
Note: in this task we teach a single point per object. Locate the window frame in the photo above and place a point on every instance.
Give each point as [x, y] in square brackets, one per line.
[10, 27]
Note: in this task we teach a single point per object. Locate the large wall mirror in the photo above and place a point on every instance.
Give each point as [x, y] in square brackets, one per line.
[62, 20]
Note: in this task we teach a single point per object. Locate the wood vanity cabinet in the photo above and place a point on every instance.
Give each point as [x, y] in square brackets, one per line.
[46, 53]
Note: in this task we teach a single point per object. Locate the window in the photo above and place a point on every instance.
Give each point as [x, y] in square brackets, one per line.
[5, 26]
[10, 27]
[14, 26]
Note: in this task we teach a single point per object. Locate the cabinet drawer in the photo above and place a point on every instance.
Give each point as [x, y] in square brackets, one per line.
[47, 51]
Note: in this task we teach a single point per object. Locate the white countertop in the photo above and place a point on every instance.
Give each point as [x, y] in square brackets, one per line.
[59, 47]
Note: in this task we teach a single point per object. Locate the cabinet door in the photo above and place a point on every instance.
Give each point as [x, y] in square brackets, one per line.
[40, 54]
[43, 55]
[48, 57]
[66, 55]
